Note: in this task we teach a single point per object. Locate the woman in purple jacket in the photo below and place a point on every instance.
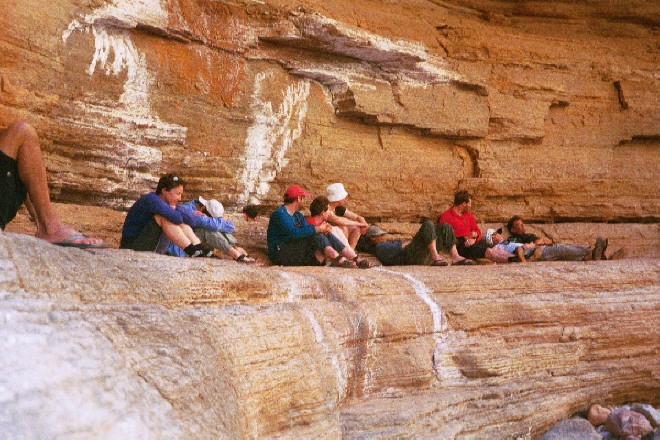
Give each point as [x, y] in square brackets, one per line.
[155, 220]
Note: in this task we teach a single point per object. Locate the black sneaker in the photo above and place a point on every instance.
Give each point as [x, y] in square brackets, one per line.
[202, 251]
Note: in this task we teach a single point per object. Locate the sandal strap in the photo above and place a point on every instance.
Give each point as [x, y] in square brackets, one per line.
[241, 257]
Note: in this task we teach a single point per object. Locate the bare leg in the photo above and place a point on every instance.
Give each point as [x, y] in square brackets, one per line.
[349, 253]
[20, 142]
[537, 254]
[174, 232]
[353, 236]
[339, 233]
[330, 252]
[187, 230]
[455, 257]
[434, 252]
[234, 253]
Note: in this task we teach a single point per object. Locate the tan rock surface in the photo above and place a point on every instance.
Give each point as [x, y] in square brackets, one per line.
[544, 109]
[548, 108]
[165, 347]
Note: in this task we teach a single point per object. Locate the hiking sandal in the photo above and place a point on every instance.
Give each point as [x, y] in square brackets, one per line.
[245, 258]
[342, 261]
[363, 264]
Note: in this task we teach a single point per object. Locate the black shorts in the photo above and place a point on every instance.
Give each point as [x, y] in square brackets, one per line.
[298, 252]
[150, 239]
[477, 250]
[12, 190]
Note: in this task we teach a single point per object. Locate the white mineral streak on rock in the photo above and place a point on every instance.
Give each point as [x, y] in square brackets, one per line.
[271, 135]
[443, 360]
[131, 122]
[295, 292]
[443, 364]
[439, 320]
[369, 359]
[59, 378]
[341, 373]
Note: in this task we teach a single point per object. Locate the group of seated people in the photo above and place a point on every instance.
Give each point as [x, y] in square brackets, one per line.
[330, 235]
[333, 235]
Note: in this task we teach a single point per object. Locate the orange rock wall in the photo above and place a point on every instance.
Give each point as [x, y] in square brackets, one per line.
[545, 109]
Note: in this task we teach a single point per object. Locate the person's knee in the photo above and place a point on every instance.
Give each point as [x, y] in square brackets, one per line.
[321, 241]
[159, 220]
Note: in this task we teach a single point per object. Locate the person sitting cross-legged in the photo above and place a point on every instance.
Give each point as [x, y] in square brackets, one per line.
[23, 180]
[215, 232]
[154, 221]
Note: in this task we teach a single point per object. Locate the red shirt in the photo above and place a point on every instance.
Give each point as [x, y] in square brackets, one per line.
[314, 221]
[462, 225]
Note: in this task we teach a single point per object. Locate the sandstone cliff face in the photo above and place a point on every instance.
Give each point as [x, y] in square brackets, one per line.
[546, 109]
[119, 344]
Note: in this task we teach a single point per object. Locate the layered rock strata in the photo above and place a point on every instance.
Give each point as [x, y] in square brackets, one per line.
[137, 345]
[545, 109]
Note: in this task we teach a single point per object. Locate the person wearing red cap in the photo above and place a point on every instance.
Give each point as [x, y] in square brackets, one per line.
[294, 242]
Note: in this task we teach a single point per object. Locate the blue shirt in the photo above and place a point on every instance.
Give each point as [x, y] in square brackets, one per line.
[508, 246]
[143, 210]
[283, 226]
[390, 253]
[218, 224]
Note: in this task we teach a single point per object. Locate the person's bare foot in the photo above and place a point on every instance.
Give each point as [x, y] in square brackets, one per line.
[66, 236]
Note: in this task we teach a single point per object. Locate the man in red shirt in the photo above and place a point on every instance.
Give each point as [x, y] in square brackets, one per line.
[468, 235]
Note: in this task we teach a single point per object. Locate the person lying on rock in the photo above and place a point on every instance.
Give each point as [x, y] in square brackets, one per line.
[529, 252]
[155, 220]
[423, 249]
[23, 180]
[320, 211]
[469, 241]
[215, 232]
[555, 252]
[351, 224]
[294, 242]
[510, 252]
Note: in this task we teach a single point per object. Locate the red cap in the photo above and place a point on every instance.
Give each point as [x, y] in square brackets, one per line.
[296, 191]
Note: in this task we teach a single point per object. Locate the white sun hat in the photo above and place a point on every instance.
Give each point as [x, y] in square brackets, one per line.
[336, 192]
[214, 207]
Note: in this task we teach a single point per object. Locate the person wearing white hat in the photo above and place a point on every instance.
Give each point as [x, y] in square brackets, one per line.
[205, 217]
[351, 224]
